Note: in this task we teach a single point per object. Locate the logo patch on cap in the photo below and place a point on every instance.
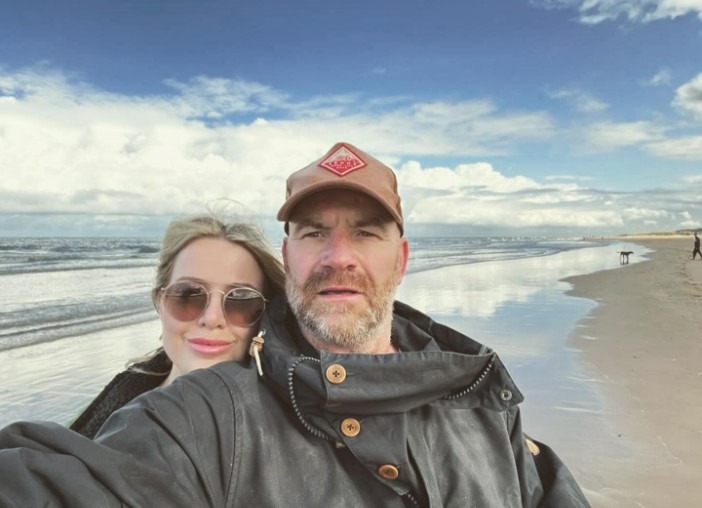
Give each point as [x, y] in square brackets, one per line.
[342, 162]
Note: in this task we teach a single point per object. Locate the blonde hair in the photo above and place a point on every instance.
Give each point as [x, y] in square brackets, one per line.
[182, 231]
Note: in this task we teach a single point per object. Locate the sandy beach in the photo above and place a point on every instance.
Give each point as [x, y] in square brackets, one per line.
[643, 346]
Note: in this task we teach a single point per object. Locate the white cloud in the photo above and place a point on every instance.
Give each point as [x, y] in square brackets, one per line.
[688, 97]
[582, 101]
[67, 148]
[498, 213]
[448, 128]
[572, 178]
[479, 195]
[640, 11]
[606, 136]
[660, 78]
[479, 175]
[683, 148]
[693, 179]
[653, 215]
[209, 97]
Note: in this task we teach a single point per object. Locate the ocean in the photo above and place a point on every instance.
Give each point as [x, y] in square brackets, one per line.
[75, 310]
[63, 287]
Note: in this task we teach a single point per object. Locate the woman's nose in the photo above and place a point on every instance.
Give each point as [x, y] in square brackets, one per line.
[213, 315]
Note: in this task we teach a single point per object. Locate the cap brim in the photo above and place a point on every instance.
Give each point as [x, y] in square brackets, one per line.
[286, 210]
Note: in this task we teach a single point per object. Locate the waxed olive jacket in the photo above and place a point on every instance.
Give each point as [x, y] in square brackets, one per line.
[436, 425]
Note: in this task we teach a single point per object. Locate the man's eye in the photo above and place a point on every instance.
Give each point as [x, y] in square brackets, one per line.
[312, 234]
[368, 234]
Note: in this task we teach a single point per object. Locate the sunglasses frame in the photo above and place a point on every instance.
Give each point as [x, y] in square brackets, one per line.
[163, 295]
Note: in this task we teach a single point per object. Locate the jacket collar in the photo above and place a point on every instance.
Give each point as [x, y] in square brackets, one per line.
[437, 366]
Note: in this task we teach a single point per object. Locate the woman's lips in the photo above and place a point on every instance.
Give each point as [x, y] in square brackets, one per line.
[209, 346]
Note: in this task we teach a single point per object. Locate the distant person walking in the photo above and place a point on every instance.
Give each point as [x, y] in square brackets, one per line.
[696, 250]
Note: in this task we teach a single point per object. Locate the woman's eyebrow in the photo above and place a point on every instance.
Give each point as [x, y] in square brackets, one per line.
[187, 278]
[207, 284]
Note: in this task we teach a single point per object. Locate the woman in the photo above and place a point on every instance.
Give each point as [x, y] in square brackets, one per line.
[212, 284]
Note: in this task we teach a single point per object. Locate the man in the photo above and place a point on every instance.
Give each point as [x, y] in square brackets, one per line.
[696, 247]
[358, 401]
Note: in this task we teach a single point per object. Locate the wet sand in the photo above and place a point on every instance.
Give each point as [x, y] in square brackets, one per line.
[54, 381]
[643, 346]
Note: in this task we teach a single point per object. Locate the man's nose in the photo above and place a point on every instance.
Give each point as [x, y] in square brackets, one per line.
[339, 252]
[213, 315]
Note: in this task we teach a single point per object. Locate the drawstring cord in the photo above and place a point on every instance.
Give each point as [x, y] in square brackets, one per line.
[255, 350]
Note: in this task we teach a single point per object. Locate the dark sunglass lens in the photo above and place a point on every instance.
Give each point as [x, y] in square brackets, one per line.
[185, 301]
[243, 306]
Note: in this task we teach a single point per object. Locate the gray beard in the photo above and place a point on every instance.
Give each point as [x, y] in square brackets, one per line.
[323, 322]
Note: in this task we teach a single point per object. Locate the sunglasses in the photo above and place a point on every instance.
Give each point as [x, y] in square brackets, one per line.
[186, 301]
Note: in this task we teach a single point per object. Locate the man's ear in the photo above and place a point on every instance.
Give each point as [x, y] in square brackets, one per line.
[403, 258]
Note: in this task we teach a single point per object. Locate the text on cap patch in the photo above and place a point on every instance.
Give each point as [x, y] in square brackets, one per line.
[342, 161]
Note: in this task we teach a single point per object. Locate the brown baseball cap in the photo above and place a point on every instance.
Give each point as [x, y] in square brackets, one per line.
[344, 167]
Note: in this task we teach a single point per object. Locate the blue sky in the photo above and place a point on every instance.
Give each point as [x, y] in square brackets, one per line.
[542, 117]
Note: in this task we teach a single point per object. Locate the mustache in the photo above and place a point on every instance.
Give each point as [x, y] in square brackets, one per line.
[319, 280]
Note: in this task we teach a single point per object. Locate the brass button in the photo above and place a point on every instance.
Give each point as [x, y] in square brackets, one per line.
[350, 427]
[388, 471]
[336, 373]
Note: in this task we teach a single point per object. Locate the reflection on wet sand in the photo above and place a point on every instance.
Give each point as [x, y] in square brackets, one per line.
[519, 308]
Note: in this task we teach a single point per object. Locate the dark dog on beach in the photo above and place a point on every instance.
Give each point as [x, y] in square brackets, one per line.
[624, 256]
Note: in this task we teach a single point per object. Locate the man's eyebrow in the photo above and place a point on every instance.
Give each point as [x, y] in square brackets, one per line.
[372, 221]
[309, 222]
[379, 221]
